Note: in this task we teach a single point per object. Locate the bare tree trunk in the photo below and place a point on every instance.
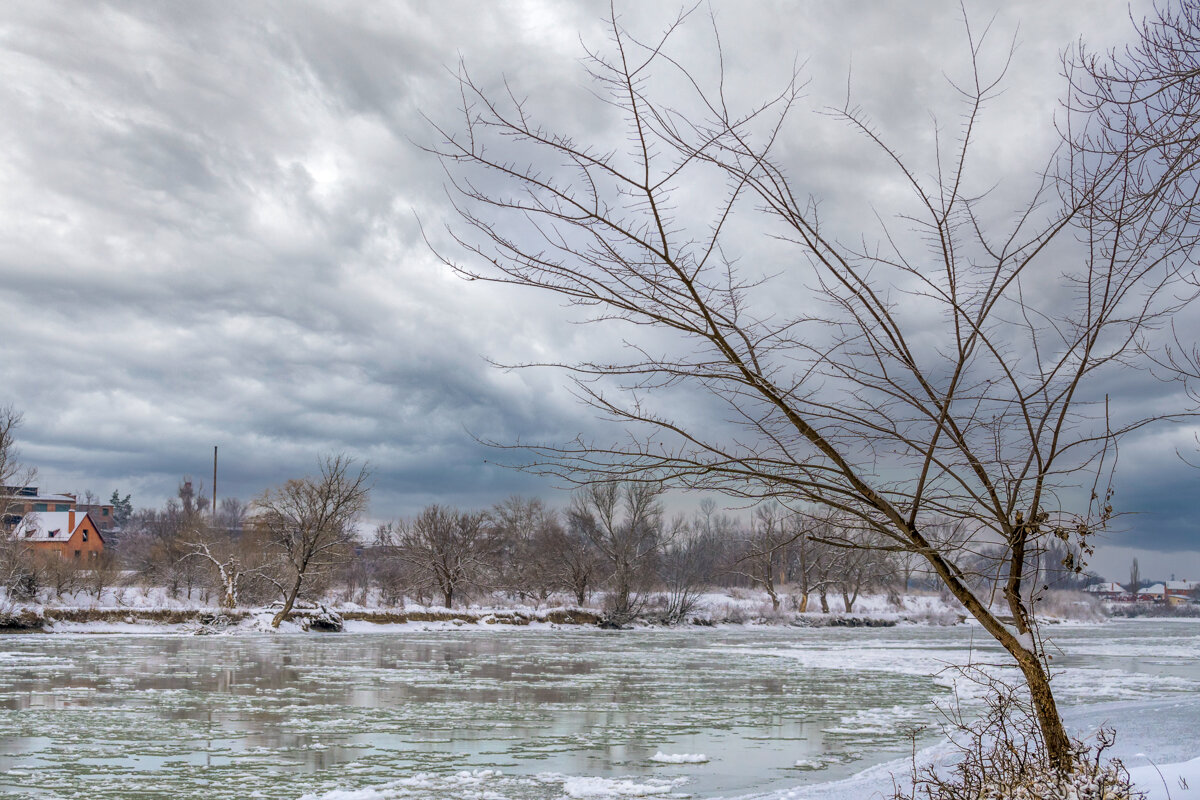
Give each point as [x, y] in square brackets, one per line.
[1054, 734]
[1058, 744]
[288, 601]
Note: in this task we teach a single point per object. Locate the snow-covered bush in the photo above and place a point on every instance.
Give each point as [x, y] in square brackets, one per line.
[1001, 756]
[1078, 606]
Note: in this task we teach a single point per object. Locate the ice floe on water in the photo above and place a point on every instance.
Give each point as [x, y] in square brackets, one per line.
[679, 758]
[600, 788]
[496, 785]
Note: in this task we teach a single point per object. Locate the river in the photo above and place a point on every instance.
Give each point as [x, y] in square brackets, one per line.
[532, 713]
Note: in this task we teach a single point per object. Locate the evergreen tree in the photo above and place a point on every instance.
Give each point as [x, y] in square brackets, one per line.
[122, 508]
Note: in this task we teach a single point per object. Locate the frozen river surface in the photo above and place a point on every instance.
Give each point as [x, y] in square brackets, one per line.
[533, 713]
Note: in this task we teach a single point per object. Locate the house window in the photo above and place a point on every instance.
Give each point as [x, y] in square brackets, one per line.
[104, 512]
[51, 534]
[77, 554]
[62, 507]
[85, 536]
[39, 507]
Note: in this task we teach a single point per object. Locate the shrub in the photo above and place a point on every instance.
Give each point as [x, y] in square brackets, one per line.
[1001, 756]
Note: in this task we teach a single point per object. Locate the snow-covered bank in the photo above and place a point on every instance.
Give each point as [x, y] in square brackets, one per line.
[128, 610]
[43, 619]
[1157, 741]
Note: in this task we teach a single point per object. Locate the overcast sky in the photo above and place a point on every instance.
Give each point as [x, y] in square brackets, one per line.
[208, 229]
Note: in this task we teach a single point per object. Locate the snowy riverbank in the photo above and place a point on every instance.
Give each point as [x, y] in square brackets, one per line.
[157, 611]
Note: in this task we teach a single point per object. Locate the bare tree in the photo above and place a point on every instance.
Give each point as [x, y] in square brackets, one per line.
[154, 542]
[818, 562]
[18, 568]
[13, 474]
[1003, 424]
[390, 571]
[762, 558]
[1135, 578]
[449, 550]
[623, 521]
[103, 572]
[687, 565]
[577, 560]
[522, 530]
[862, 565]
[60, 575]
[231, 516]
[309, 522]
[231, 561]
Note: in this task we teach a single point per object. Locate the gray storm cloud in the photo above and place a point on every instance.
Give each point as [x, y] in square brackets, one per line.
[209, 224]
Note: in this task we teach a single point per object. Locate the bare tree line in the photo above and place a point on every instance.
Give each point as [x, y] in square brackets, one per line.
[613, 546]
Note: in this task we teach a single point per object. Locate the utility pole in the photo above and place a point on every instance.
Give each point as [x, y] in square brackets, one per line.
[214, 511]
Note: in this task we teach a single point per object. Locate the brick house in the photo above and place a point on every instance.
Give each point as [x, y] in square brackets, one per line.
[70, 534]
[21, 500]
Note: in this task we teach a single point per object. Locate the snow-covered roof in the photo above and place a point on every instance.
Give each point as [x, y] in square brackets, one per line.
[1157, 588]
[1182, 586]
[1110, 586]
[48, 526]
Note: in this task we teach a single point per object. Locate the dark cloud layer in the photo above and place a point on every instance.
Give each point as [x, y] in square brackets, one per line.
[208, 229]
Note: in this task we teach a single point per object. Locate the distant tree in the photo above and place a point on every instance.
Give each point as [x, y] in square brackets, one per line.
[103, 571]
[309, 523]
[762, 556]
[687, 565]
[233, 561]
[525, 563]
[390, 572]
[815, 560]
[154, 542]
[19, 574]
[449, 550]
[61, 576]
[863, 565]
[13, 473]
[1135, 577]
[623, 522]
[122, 508]
[231, 515]
[575, 556]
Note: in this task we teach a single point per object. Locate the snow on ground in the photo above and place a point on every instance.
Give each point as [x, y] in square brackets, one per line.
[735, 606]
[1168, 781]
